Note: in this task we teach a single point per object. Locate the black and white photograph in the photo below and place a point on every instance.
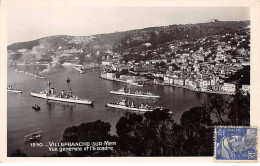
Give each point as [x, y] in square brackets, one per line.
[125, 81]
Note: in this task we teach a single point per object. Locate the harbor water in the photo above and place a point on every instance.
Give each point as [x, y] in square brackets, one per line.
[54, 117]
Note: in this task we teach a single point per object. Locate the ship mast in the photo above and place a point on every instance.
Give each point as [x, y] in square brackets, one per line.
[49, 86]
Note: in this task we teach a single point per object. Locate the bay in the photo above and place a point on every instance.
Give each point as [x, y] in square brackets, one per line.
[54, 117]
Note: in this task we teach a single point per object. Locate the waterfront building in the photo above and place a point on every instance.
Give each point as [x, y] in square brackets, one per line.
[168, 80]
[194, 84]
[108, 75]
[157, 81]
[245, 89]
[229, 87]
[179, 81]
[187, 82]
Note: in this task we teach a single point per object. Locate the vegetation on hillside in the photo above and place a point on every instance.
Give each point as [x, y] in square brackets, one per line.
[120, 41]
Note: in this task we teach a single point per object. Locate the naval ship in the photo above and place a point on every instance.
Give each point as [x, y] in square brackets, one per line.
[127, 92]
[63, 96]
[124, 105]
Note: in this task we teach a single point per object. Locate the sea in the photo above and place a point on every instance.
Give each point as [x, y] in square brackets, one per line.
[54, 117]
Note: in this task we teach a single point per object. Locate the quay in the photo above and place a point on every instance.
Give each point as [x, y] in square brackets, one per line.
[195, 90]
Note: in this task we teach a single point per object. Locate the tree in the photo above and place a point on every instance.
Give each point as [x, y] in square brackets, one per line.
[97, 131]
[157, 116]
[195, 118]
[154, 134]
[196, 127]
[217, 105]
[239, 110]
[171, 138]
[157, 123]
[130, 130]
[241, 77]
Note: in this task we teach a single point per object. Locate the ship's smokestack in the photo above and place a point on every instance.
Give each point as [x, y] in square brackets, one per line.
[52, 90]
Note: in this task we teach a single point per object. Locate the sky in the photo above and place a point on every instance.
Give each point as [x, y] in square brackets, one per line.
[25, 23]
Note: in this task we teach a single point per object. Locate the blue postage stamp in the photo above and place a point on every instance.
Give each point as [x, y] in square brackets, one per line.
[235, 143]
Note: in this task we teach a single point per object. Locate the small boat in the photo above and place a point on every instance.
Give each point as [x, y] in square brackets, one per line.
[81, 72]
[15, 90]
[68, 80]
[36, 107]
[80, 69]
[132, 82]
[19, 71]
[39, 76]
[33, 136]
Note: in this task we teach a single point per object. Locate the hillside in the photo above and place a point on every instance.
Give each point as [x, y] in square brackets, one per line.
[130, 40]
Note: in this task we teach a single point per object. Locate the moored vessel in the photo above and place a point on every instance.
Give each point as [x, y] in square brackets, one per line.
[131, 82]
[12, 89]
[124, 104]
[80, 69]
[36, 107]
[38, 76]
[128, 92]
[33, 136]
[19, 71]
[68, 80]
[63, 96]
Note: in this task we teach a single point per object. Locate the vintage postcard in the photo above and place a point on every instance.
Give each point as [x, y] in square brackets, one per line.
[168, 81]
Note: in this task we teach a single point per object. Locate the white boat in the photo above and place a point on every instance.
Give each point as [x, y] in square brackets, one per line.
[35, 75]
[131, 82]
[38, 76]
[123, 105]
[19, 71]
[15, 90]
[62, 96]
[127, 92]
[80, 69]
[33, 136]
[28, 73]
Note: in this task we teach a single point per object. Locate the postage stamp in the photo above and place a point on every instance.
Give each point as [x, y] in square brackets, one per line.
[235, 143]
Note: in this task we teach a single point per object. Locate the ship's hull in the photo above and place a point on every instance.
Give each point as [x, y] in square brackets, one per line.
[36, 108]
[133, 94]
[127, 108]
[41, 77]
[19, 71]
[15, 91]
[80, 70]
[44, 96]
